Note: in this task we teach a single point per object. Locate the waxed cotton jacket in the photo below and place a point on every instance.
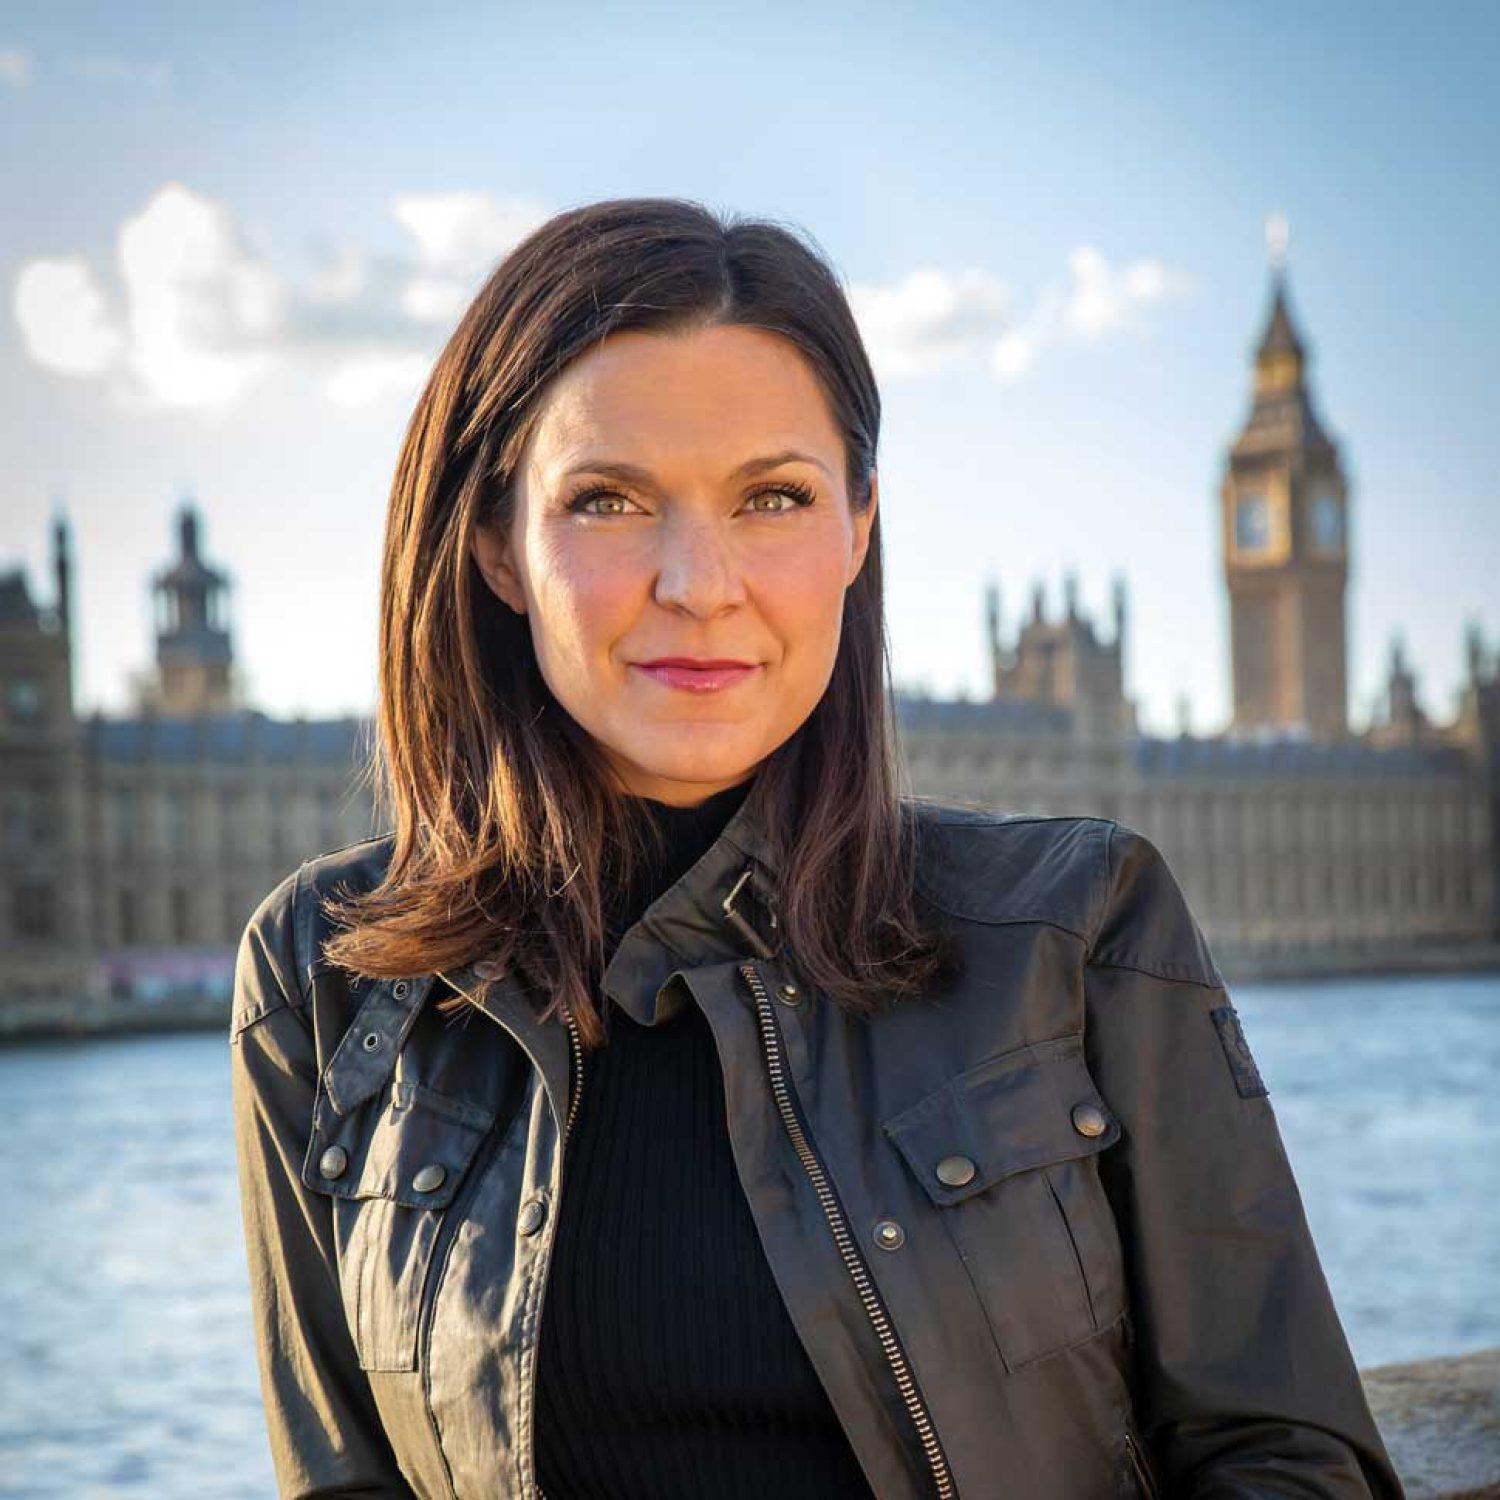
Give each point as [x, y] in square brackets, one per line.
[1036, 1230]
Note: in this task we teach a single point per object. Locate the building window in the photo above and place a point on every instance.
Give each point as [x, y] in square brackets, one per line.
[230, 803]
[328, 818]
[236, 915]
[17, 831]
[42, 821]
[122, 817]
[174, 820]
[181, 916]
[129, 919]
[33, 912]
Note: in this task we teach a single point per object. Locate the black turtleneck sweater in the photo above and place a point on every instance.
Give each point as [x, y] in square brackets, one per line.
[669, 1368]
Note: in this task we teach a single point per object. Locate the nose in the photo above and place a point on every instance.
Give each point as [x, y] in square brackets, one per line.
[697, 570]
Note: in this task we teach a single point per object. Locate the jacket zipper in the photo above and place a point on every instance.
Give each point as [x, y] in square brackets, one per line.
[1143, 1479]
[575, 1056]
[854, 1262]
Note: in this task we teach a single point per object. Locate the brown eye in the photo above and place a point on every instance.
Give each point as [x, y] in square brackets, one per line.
[578, 502]
[800, 495]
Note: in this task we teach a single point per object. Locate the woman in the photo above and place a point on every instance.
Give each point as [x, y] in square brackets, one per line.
[908, 1150]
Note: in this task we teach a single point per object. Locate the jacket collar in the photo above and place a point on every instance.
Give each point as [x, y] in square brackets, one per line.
[721, 908]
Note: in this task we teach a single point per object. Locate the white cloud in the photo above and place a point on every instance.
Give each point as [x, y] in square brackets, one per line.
[459, 237]
[365, 379]
[342, 280]
[15, 67]
[1103, 299]
[64, 318]
[1094, 301]
[1018, 348]
[205, 314]
[198, 316]
[930, 319]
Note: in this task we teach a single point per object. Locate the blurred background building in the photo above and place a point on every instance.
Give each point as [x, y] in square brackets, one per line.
[1301, 842]
[134, 848]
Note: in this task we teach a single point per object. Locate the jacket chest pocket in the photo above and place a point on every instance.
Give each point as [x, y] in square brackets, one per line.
[1006, 1154]
[396, 1167]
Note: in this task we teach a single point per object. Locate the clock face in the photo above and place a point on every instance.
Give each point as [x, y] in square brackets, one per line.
[1252, 524]
[1327, 522]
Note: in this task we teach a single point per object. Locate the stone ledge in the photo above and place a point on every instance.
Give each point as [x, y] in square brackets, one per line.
[1440, 1419]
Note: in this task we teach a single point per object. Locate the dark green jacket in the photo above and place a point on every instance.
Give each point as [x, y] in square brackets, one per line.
[1037, 1231]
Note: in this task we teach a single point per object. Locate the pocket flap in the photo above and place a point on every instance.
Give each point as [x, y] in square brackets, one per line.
[415, 1151]
[1023, 1109]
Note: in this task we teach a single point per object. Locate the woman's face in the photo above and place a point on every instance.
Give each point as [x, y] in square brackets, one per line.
[682, 497]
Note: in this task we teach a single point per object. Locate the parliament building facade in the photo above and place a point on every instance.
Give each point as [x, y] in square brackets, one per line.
[134, 848]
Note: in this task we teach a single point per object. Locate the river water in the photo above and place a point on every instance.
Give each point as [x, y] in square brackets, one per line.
[126, 1363]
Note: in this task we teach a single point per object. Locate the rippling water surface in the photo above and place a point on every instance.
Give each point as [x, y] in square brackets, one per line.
[126, 1364]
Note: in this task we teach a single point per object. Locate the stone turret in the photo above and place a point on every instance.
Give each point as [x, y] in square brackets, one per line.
[194, 653]
[1064, 663]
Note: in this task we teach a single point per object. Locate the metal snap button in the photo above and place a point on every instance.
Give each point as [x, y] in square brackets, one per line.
[789, 993]
[371, 1041]
[533, 1214]
[889, 1235]
[400, 988]
[429, 1178]
[955, 1171]
[1089, 1119]
[333, 1161]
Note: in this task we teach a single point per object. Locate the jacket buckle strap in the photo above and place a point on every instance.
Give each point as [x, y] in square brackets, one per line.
[366, 1054]
[741, 924]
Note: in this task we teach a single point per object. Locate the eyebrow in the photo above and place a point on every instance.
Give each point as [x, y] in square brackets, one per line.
[638, 475]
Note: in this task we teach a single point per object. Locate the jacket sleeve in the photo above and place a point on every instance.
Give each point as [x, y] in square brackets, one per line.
[326, 1436]
[1244, 1382]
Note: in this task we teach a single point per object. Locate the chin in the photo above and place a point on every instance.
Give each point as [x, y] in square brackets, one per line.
[687, 764]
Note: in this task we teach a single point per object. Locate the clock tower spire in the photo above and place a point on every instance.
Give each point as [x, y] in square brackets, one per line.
[1284, 514]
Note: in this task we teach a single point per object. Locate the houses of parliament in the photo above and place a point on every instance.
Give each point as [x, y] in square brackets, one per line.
[134, 848]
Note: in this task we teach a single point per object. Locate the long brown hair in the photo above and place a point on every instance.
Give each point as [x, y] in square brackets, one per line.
[507, 822]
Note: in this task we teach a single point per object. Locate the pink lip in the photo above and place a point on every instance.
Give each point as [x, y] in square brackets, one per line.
[706, 676]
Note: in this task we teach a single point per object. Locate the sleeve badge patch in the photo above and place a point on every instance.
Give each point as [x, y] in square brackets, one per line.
[1247, 1077]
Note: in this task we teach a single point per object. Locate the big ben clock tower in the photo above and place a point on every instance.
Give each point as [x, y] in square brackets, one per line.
[1285, 526]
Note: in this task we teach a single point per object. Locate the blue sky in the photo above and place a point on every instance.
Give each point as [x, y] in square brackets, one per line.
[1051, 220]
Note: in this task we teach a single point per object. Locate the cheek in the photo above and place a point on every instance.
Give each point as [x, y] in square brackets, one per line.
[804, 595]
[581, 601]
